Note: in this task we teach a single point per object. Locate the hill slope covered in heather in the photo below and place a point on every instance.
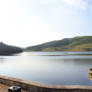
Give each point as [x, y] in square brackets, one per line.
[80, 43]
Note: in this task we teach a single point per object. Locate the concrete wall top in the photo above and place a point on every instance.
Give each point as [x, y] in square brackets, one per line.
[36, 84]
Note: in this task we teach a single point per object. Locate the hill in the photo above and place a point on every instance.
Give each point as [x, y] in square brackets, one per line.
[7, 49]
[80, 43]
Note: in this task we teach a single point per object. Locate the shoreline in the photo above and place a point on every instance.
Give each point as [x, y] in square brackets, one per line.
[40, 87]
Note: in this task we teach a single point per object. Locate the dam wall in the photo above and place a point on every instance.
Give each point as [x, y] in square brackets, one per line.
[39, 87]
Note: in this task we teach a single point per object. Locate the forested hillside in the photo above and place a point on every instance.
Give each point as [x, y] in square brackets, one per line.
[7, 49]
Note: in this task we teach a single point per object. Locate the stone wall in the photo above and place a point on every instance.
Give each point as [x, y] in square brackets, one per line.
[38, 87]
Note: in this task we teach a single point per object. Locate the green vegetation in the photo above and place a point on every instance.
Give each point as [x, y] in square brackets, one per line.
[81, 43]
[6, 49]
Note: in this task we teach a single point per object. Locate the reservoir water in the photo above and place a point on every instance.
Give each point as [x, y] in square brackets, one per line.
[57, 68]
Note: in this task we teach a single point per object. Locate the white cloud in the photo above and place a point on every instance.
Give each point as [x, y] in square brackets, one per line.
[82, 4]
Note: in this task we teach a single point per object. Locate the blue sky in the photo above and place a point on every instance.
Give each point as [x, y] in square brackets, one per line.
[30, 22]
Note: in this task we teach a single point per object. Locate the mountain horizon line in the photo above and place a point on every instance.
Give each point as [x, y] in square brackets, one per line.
[2, 42]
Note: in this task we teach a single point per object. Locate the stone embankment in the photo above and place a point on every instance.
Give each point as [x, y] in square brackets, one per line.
[38, 87]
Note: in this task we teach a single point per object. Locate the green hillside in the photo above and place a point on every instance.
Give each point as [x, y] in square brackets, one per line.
[80, 43]
[7, 49]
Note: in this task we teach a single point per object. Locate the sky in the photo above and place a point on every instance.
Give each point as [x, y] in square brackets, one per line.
[30, 22]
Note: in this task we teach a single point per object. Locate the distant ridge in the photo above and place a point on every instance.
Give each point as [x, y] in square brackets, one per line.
[7, 49]
[79, 43]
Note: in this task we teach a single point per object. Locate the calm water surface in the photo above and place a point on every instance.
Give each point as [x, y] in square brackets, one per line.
[57, 68]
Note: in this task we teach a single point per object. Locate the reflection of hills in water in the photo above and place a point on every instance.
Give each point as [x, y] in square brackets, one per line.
[59, 70]
[56, 53]
[2, 59]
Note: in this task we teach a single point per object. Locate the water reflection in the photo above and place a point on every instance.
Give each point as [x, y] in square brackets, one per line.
[55, 53]
[49, 67]
[2, 59]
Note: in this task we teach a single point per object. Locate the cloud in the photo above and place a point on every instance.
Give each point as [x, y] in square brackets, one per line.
[82, 4]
